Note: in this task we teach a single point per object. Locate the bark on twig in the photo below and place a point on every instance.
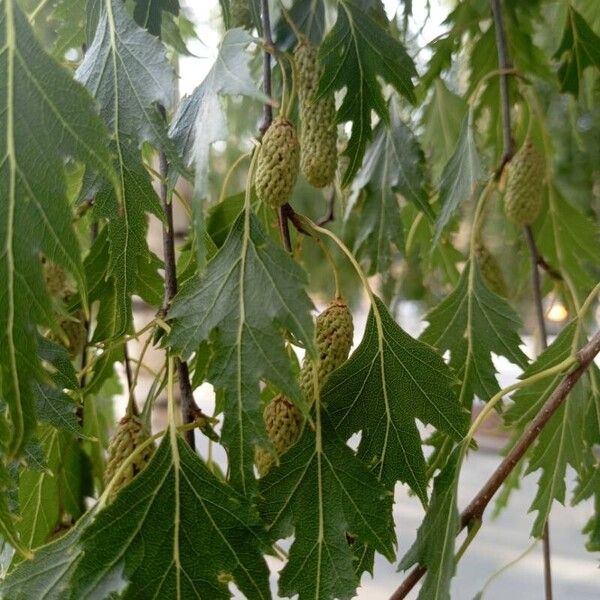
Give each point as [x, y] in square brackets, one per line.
[477, 507]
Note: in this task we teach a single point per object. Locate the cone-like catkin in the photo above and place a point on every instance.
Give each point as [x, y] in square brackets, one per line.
[240, 15]
[54, 277]
[334, 339]
[129, 435]
[278, 163]
[490, 270]
[318, 134]
[283, 421]
[524, 185]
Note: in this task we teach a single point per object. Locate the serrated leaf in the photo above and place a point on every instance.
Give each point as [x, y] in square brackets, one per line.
[354, 54]
[461, 176]
[127, 227]
[561, 442]
[200, 119]
[46, 577]
[44, 494]
[434, 546]
[472, 323]
[322, 492]
[394, 164]
[175, 532]
[34, 213]
[442, 118]
[308, 17]
[579, 48]
[148, 13]
[568, 239]
[390, 380]
[126, 70]
[250, 291]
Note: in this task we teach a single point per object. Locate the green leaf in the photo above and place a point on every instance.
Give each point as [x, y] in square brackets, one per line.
[472, 323]
[308, 17]
[200, 119]
[579, 48]
[322, 492]
[44, 494]
[561, 442]
[127, 227]
[46, 577]
[442, 118]
[434, 546]
[127, 71]
[461, 176]
[394, 164]
[354, 54]
[34, 213]
[569, 240]
[250, 291]
[53, 405]
[390, 380]
[148, 13]
[175, 532]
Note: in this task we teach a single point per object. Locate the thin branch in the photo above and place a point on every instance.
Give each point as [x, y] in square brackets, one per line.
[504, 64]
[268, 38]
[282, 221]
[543, 344]
[476, 508]
[189, 409]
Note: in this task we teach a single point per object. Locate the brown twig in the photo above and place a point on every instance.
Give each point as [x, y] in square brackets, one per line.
[189, 409]
[504, 64]
[543, 344]
[476, 508]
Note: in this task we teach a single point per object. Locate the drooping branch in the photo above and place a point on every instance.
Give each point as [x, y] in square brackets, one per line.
[476, 508]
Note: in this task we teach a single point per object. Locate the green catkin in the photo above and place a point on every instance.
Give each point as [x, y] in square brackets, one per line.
[334, 333]
[129, 435]
[240, 14]
[278, 163]
[283, 422]
[525, 184]
[490, 270]
[318, 134]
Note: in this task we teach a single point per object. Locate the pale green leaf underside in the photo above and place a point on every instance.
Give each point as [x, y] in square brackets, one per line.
[44, 118]
[251, 291]
[323, 492]
[391, 380]
[472, 323]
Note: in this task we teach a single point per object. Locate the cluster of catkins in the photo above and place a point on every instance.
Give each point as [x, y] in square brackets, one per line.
[522, 204]
[282, 155]
[283, 419]
[72, 325]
